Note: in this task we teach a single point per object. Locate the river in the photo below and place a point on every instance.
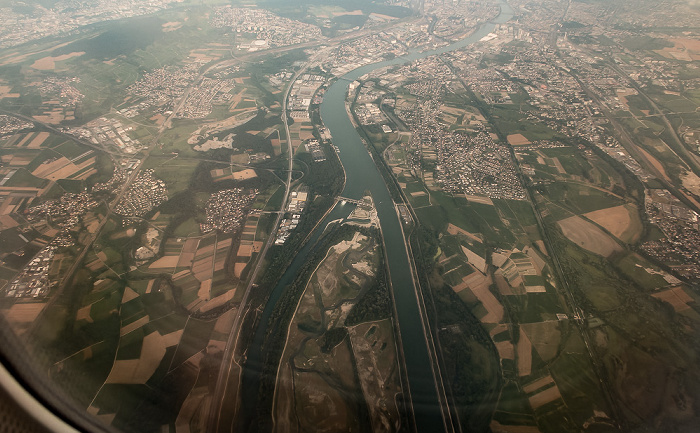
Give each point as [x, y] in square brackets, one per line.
[362, 175]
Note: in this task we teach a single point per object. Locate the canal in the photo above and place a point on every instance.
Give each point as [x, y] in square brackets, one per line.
[362, 175]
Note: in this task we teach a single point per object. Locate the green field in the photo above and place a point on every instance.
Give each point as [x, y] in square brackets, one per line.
[24, 179]
[633, 267]
[579, 198]
[188, 228]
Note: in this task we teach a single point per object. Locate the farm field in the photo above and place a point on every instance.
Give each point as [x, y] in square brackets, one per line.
[545, 173]
[588, 236]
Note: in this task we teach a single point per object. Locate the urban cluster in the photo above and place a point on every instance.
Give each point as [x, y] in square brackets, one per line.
[362, 51]
[598, 82]
[162, 87]
[118, 177]
[680, 226]
[10, 124]
[458, 163]
[454, 20]
[39, 21]
[269, 30]
[477, 166]
[64, 212]
[62, 88]
[201, 99]
[226, 209]
[145, 193]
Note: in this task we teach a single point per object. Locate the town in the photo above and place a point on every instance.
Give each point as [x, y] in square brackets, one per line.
[145, 193]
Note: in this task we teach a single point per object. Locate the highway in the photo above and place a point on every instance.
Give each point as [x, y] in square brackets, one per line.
[432, 409]
[629, 144]
[687, 158]
[230, 350]
[228, 361]
[565, 290]
[63, 134]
